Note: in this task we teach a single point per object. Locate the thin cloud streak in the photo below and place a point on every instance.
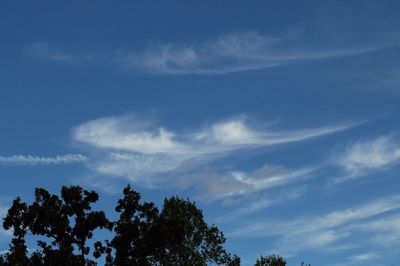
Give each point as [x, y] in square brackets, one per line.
[38, 160]
[261, 202]
[328, 230]
[227, 53]
[222, 186]
[388, 229]
[42, 50]
[233, 52]
[363, 257]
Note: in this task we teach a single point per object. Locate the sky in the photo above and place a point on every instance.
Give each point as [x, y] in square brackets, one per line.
[279, 118]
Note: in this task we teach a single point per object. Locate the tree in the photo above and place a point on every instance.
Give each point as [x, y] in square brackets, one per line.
[50, 217]
[272, 260]
[142, 235]
[185, 239]
[178, 235]
[135, 239]
[18, 219]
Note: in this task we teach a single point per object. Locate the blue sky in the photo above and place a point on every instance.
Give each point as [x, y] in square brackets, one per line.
[281, 120]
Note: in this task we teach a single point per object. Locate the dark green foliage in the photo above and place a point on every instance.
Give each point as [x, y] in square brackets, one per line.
[272, 260]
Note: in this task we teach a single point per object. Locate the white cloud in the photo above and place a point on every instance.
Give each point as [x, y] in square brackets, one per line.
[269, 176]
[38, 160]
[231, 53]
[326, 231]
[128, 134]
[142, 151]
[124, 133]
[234, 133]
[363, 257]
[364, 157]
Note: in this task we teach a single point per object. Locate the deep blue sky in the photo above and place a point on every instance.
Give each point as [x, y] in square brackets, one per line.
[281, 119]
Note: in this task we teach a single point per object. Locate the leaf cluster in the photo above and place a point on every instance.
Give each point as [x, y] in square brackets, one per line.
[142, 235]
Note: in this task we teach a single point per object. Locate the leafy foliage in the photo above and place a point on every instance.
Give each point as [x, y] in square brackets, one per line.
[142, 235]
[178, 235]
[50, 216]
[272, 260]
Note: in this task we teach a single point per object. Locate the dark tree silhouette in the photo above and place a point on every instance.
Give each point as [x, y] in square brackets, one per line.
[272, 260]
[50, 217]
[134, 241]
[18, 219]
[178, 235]
[185, 238]
[142, 235]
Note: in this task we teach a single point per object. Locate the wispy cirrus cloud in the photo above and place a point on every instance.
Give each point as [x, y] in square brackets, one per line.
[388, 229]
[215, 185]
[360, 258]
[232, 52]
[262, 201]
[41, 160]
[364, 157]
[126, 133]
[363, 257]
[226, 53]
[45, 51]
[332, 230]
[135, 150]
[157, 156]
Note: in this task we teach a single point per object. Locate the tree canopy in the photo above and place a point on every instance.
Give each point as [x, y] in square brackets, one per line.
[272, 260]
[142, 235]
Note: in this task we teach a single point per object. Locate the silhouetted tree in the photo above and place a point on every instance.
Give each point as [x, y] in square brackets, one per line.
[135, 239]
[185, 239]
[18, 219]
[142, 235]
[51, 217]
[178, 235]
[272, 260]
